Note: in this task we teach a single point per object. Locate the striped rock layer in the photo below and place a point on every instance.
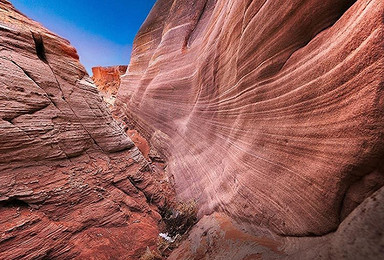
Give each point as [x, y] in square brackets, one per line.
[271, 112]
[72, 183]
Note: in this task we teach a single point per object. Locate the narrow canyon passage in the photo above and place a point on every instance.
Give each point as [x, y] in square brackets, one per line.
[239, 130]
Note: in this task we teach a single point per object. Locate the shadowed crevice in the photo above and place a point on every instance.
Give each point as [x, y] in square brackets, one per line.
[14, 203]
[39, 46]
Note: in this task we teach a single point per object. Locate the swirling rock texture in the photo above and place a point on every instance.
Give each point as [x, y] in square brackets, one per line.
[359, 236]
[269, 112]
[107, 80]
[72, 183]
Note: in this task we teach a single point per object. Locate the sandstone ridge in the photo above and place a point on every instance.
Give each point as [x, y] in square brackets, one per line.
[72, 183]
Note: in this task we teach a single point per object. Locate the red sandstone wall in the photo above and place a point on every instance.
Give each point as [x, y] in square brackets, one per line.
[72, 183]
[269, 111]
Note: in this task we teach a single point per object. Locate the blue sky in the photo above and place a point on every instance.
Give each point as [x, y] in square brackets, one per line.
[101, 31]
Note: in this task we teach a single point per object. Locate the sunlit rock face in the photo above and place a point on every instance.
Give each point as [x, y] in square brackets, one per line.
[107, 80]
[269, 111]
[72, 183]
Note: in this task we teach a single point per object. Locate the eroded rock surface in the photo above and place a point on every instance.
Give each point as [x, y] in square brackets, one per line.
[107, 80]
[72, 183]
[271, 112]
[268, 113]
[218, 237]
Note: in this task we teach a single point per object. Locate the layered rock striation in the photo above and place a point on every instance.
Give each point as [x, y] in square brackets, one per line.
[107, 80]
[72, 183]
[270, 112]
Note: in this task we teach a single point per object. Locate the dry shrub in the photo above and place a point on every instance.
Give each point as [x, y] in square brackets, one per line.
[180, 218]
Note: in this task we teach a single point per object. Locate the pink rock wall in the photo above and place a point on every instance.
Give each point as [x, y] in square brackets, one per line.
[269, 111]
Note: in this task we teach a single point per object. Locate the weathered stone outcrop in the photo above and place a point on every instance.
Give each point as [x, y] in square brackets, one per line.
[271, 112]
[72, 183]
[218, 237]
[107, 80]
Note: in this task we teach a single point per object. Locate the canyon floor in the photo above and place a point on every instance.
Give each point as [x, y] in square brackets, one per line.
[240, 130]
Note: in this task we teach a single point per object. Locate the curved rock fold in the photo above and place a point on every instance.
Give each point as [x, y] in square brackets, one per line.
[268, 114]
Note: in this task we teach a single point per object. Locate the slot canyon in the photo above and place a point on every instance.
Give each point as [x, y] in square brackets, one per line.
[246, 129]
